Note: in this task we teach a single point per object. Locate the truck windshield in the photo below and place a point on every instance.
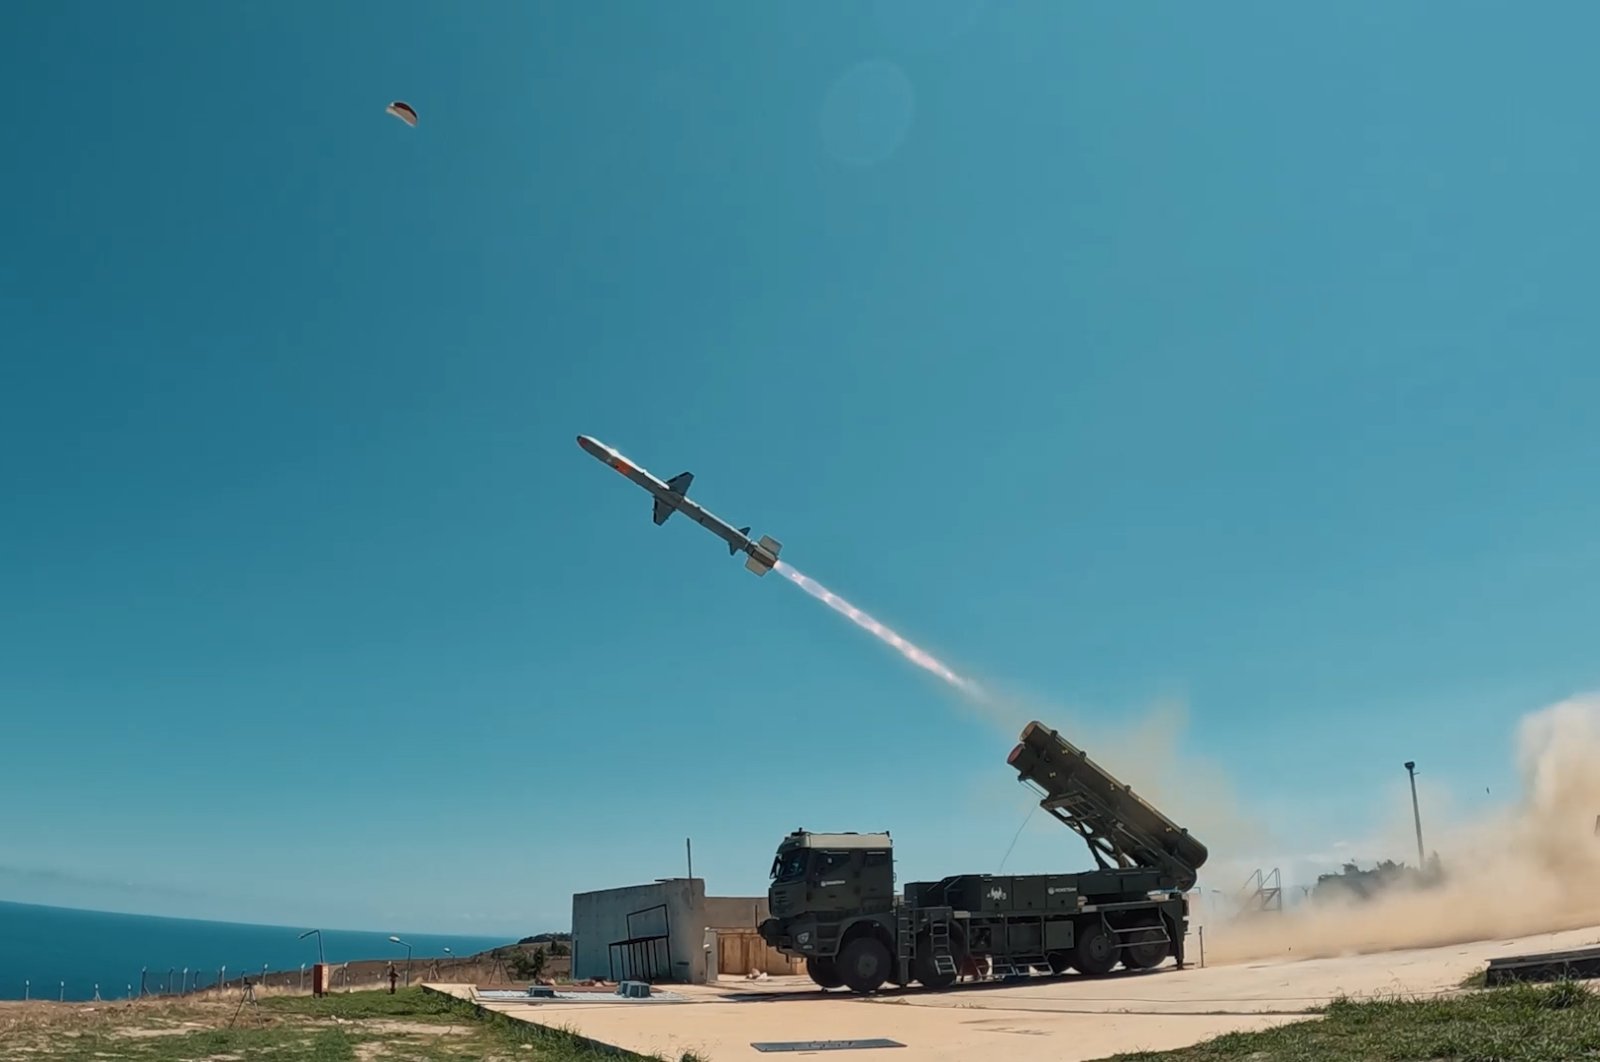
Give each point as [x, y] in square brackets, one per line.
[790, 866]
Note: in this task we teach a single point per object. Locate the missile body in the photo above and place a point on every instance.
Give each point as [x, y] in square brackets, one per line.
[672, 496]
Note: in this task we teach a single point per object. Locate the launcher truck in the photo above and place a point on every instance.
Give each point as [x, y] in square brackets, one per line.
[832, 895]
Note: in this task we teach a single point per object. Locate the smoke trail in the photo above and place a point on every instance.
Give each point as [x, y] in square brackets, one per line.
[919, 657]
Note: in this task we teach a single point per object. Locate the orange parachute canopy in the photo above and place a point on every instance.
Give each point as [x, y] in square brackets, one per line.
[402, 110]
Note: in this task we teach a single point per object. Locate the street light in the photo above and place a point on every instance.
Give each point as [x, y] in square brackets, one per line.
[403, 944]
[318, 932]
[1416, 815]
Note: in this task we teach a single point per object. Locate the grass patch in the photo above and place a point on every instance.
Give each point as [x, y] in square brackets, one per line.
[267, 1045]
[410, 1026]
[1519, 1023]
[407, 1004]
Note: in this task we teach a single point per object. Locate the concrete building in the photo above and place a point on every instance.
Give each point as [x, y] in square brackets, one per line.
[670, 930]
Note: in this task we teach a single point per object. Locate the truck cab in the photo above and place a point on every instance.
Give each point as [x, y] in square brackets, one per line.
[822, 884]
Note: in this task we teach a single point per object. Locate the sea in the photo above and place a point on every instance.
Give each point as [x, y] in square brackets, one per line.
[65, 953]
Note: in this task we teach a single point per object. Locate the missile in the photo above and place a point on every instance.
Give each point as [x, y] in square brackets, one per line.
[673, 497]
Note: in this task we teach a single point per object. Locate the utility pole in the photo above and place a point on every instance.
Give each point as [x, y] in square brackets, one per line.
[1411, 769]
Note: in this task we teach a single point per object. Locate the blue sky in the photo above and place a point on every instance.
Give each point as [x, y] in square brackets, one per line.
[1238, 358]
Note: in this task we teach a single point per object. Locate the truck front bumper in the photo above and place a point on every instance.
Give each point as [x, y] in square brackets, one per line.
[796, 937]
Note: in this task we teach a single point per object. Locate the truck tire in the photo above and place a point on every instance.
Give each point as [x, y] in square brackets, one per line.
[923, 969]
[1096, 950]
[864, 964]
[824, 971]
[1145, 949]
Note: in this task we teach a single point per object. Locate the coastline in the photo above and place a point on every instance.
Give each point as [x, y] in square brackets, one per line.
[488, 969]
[63, 954]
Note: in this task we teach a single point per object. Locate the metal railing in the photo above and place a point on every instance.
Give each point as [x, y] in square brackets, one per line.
[179, 982]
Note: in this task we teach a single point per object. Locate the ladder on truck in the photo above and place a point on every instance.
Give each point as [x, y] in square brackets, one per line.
[1003, 966]
[1006, 964]
[905, 942]
[939, 941]
[1151, 933]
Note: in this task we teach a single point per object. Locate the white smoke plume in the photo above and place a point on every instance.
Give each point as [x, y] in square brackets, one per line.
[920, 657]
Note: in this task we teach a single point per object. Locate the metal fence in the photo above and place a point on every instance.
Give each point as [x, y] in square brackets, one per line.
[355, 975]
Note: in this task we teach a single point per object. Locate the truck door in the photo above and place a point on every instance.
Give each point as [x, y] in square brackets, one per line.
[833, 881]
[877, 880]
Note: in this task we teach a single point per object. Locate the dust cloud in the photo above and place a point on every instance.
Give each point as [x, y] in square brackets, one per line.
[1528, 868]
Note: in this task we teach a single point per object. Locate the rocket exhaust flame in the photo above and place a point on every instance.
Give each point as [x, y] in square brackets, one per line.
[919, 657]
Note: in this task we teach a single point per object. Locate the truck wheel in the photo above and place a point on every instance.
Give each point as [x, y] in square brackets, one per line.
[923, 969]
[1096, 950]
[824, 971]
[1145, 948]
[864, 964]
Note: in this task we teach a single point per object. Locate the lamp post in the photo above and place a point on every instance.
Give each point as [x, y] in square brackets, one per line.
[403, 944]
[318, 932]
[1416, 815]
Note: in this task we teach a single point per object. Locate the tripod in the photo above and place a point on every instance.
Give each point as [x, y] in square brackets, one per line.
[249, 997]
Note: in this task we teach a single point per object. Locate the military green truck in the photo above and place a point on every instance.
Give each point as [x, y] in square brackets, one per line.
[833, 903]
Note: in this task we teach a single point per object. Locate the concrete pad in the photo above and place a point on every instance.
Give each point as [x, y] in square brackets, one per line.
[1059, 1019]
[719, 1031]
